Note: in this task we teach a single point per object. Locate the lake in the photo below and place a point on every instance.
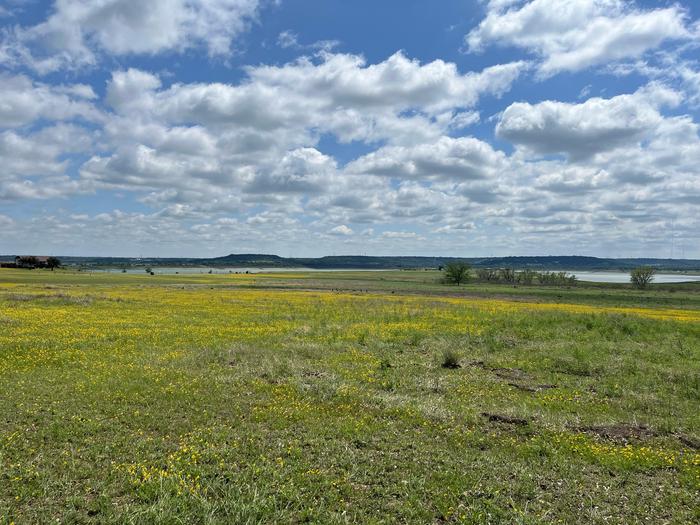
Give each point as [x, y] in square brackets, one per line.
[624, 277]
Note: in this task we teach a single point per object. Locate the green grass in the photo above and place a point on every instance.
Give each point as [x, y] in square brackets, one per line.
[321, 398]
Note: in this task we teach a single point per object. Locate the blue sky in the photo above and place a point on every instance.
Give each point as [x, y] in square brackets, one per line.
[305, 128]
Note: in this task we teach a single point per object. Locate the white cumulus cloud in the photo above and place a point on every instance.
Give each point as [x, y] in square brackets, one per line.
[575, 34]
[77, 31]
[582, 130]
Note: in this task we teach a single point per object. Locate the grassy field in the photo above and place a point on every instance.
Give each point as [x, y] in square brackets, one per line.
[321, 398]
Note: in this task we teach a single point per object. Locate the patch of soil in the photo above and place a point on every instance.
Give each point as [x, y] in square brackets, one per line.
[502, 372]
[451, 366]
[688, 442]
[531, 388]
[510, 373]
[312, 373]
[619, 431]
[517, 377]
[622, 432]
[500, 418]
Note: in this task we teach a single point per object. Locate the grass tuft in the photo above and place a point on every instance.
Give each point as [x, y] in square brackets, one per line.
[450, 359]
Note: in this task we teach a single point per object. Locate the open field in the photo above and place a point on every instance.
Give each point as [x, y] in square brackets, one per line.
[320, 398]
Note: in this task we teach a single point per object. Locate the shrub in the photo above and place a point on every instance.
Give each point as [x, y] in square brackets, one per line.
[456, 272]
[53, 263]
[556, 278]
[450, 359]
[527, 277]
[28, 261]
[508, 275]
[487, 274]
[642, 276]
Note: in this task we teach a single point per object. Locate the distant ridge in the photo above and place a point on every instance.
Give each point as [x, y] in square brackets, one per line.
[549, 262]
[362, 262]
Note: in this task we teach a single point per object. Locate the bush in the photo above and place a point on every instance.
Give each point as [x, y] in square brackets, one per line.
[450, 359]
[508, 275]
[28, 261]
[642, 276]
[527, 277]
[53, 263]
[456, 273]
[487, 274]
[556, 278]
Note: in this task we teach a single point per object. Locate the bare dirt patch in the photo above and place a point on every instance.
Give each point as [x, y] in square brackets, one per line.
[502, 372]
[500, 418]
[624, 433]
[531, 388]
[315, 374]
[510, 373]
[619, 432]
[516, 377]
[688, 441]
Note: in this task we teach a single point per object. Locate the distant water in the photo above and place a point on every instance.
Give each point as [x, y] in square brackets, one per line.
[624, 277]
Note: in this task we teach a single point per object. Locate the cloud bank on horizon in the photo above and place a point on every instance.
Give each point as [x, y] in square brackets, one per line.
[203, 127]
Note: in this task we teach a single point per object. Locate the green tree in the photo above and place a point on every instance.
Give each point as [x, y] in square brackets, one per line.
[526, 277]
[640, 277]
[53, 263]
[487, 274]
[28, 261]
[456, 272]
[508, 275]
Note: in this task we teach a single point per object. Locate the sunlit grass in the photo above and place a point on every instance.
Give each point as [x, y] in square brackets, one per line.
[248, 398]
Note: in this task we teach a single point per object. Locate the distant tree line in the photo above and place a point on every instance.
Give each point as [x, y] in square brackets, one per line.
[459, 272]
[31, 262]
[525, 277]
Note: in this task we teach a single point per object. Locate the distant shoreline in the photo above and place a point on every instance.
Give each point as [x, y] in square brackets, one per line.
[356, 262]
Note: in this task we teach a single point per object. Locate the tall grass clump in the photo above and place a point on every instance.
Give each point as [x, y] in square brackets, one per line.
[450, 359]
